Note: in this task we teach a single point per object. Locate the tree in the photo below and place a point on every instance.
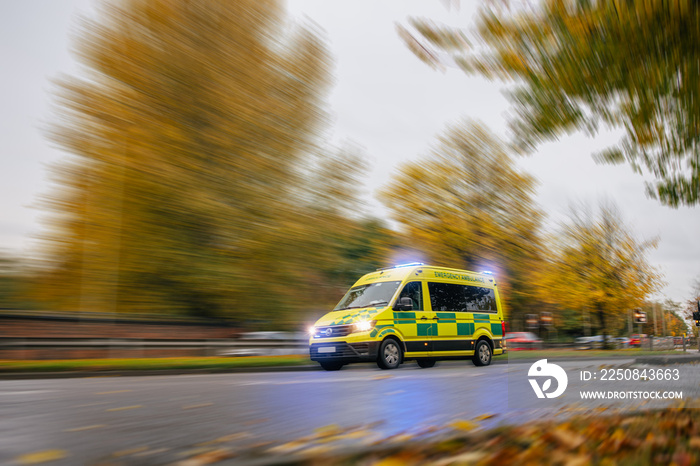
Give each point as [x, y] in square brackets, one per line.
[591, 64]
[598, 267]
[468, 206]
[14, 282]
[188, 130]
[664, 319]
[675, 324]
[342, 243]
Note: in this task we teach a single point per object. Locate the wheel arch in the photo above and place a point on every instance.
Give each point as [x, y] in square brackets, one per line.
[395, 337]
[485, 338]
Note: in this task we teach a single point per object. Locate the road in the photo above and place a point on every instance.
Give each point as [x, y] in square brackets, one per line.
[164, 419]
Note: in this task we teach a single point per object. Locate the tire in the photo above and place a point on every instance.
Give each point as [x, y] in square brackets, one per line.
[425, 363]
[482, 353]
[390, 354]
[331, 365]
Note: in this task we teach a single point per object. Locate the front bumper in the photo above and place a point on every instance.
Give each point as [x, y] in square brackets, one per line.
[343, 351]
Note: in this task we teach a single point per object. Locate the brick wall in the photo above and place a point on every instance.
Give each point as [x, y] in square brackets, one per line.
[73, 327]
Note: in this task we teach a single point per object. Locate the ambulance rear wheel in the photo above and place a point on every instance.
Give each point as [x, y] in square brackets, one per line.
[425, 363]
[331, 365]
[389, 356]
[482, 354]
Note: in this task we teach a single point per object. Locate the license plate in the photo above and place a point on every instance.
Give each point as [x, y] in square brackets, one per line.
[326, 349]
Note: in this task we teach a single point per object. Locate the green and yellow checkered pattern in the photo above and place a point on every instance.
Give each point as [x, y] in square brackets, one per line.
[448, 324]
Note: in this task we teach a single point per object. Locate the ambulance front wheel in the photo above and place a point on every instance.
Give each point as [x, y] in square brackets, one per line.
[331, 365]
[482, 353]
[389, 356]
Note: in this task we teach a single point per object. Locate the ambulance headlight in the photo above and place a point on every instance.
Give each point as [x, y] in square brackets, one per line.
[312, 330]
[365, 325]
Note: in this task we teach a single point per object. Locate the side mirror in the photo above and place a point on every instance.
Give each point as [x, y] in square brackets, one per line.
[404, 304]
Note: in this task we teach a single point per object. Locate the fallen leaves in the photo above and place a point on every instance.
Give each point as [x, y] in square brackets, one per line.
[81, 429]
[225, 439]
[40, 457]
[124, 408]
[465, 426]
[670, 436]
[130, 451]
[328, 431]
[209, 457]
[566, 438]
[200, 405]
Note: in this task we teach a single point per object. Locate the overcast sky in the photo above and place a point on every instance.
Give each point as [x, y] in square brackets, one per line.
[384, 98]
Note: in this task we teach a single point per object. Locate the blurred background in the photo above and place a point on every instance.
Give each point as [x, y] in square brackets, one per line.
[216, 169]
[183, 181]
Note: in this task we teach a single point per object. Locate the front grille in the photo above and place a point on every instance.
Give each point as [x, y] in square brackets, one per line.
[335, 331]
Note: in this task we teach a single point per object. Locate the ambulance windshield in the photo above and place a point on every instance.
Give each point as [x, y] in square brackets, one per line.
[372, 295]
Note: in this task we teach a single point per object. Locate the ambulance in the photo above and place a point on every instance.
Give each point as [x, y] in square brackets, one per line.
[412, 312]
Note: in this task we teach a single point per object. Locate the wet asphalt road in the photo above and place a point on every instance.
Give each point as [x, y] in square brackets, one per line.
[164, 419]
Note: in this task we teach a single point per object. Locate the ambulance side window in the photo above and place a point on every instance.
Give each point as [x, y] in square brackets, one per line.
[480, 299]
[450, 297]
[447, 297]
[413, 290]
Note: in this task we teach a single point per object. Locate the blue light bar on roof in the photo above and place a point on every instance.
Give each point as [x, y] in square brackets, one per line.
[411, 264]
[487, 272]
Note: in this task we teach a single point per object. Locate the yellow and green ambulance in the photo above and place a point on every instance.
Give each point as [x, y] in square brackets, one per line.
[412, 312]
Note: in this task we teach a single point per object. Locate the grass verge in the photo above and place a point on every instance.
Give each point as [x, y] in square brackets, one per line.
[96, 365]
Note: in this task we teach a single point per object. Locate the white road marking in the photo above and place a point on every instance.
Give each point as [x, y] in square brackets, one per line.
[28, 392]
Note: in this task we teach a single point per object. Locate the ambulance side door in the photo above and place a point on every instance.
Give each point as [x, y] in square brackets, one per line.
[415, 325]
[455, 326]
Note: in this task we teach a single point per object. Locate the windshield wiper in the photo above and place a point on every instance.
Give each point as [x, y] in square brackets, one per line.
[371, 304]
[381, 301]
